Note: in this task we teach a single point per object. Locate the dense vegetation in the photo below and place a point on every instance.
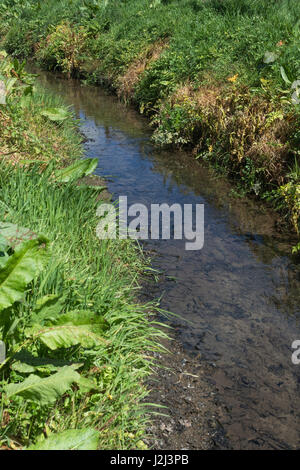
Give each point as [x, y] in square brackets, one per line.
[77, 343]
[217, 75]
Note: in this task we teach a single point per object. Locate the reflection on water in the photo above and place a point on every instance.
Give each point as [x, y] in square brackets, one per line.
[241, 292]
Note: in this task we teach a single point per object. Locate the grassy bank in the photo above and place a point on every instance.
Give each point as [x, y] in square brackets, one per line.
[77, 342]
[218, 76]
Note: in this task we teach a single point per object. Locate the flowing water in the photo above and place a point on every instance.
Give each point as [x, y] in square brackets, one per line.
[240, 292]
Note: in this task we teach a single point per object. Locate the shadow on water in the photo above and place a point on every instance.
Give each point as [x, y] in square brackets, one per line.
[241, 291]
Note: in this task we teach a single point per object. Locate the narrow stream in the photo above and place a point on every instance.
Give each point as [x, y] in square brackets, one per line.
[241, 291]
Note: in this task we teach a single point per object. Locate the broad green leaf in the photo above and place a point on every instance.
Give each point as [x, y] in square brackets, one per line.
[46, 367]
[20, 269]
[65, 336]
[72, 439]
[55, 114]
[77, 170]
[23, 368]
[46, 390]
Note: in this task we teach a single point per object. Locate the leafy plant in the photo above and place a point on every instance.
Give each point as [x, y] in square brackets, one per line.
[77, 170]
[71, 439]
[27, 260]
[44, 390]
[55, 114]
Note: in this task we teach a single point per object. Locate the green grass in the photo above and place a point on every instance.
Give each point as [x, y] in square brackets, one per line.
[88, 274]
[100, 276]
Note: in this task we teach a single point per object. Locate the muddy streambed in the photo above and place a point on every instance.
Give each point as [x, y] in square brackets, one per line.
[240, 293]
